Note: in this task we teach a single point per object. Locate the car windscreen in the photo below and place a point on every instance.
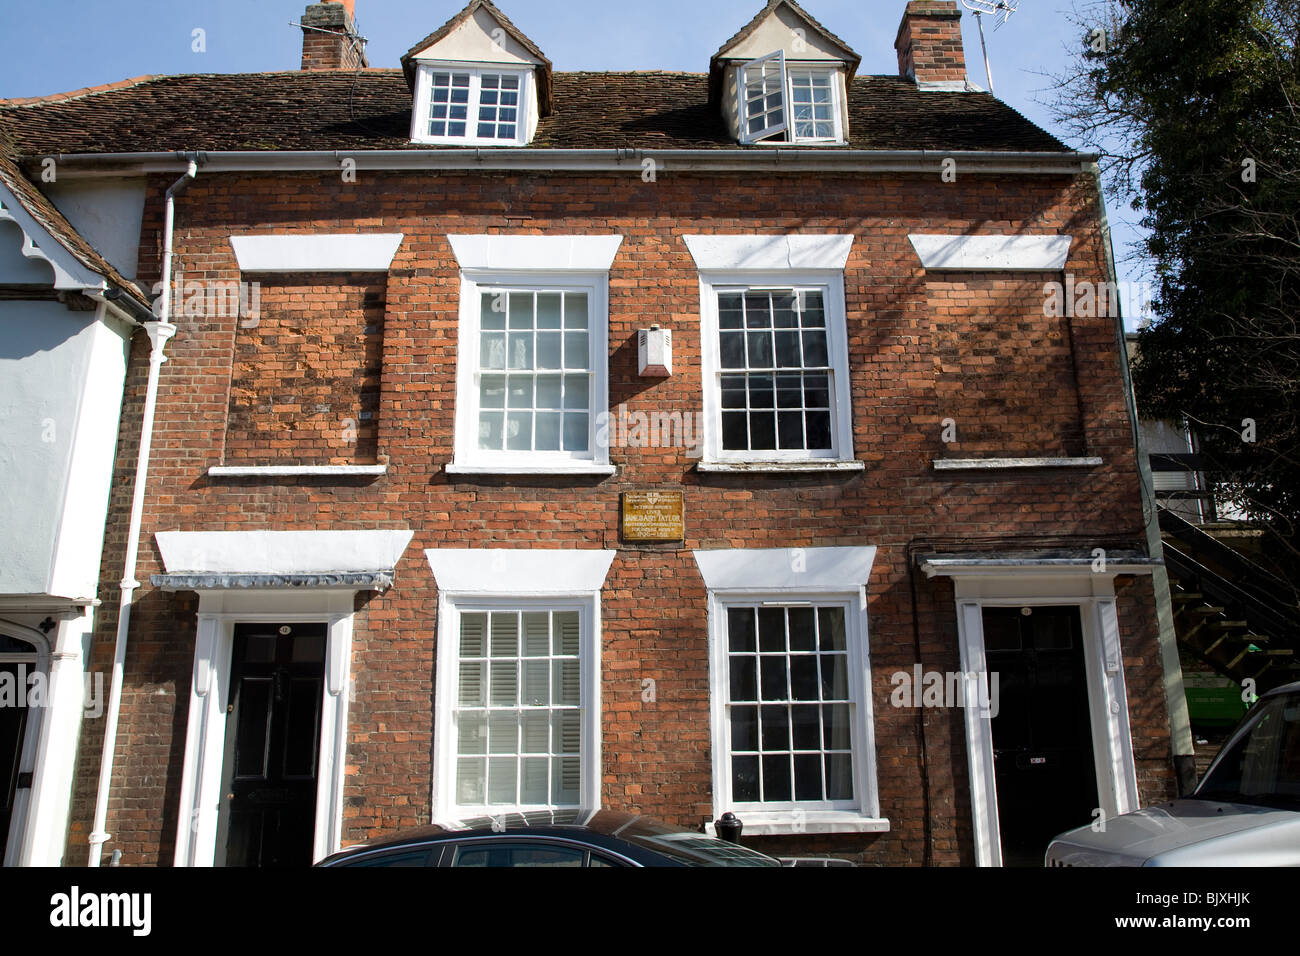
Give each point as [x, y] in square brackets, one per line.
[1261, 766]
[692, 849]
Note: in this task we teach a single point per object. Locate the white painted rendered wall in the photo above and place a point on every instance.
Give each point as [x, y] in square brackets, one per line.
[63, 374]
[107, 214]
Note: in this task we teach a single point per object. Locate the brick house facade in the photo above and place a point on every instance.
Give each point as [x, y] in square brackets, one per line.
[984, 458]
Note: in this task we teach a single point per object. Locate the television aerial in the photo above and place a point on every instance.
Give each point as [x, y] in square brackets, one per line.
[995, 8]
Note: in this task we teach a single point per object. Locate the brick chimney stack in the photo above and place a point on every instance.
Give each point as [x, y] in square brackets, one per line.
[329, 37]
[929, 45]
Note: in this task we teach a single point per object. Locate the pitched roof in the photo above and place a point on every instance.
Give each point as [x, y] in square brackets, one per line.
[48, 216]
[371, 109]
[543, 76]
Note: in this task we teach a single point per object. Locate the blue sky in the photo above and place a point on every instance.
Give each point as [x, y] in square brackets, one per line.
[50, 44]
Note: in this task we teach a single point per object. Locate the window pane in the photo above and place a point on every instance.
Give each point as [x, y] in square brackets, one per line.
[776, 777]
[576, 353]
[803, 678]
[519, 431]
[471, 781]
[473, 632]
[830, 628]
[575, 310]
[536, 784]
[566, 634]
[740, 628]
[519, 354]
[576, 432]
[492, 350]
[836, 718]
[773, 680]
[491, 430]
[547, 433]
[733, 349]
[835, 677]
[744, 678]
[806, 727]
[775, 728]
[493, 310]
[520, 392]
[549, 310]
[503, 688]
[505, 634]
[492, 391]
[471, 734]
[839, 777]
[550, 390]
[744, 778]
[771, 629]
[503, 780]
[808, 777]
[575, 392]
[548, 350]
[744, 728]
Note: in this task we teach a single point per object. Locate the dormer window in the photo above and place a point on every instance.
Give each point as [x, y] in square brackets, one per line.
[787, 103]
[477, 81]
[472, 107]
[784, 78]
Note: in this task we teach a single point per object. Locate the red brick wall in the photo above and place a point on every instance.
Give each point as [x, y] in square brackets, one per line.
[656, 755]
[305, 384]
[1004, 372]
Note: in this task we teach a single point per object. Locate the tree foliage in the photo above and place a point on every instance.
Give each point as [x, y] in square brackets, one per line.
[1193, 106]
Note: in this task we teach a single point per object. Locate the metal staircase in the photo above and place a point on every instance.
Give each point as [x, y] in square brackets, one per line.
[1229, 612]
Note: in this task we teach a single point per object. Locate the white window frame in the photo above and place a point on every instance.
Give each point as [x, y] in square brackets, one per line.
[471, 580]
[831, 287]
[469, 458]
[449, 617]
[794, 576]
[787, 69]
[420, 115]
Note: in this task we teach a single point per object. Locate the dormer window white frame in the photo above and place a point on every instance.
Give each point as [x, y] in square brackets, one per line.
[473, 104]
[801, 100]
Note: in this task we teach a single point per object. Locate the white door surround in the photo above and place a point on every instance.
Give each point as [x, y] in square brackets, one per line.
[1010, 585]
[39, 661]
[286, 577]
[39, 825]
[205, 740]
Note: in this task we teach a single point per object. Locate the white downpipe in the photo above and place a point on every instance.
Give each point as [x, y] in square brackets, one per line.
[159, 333]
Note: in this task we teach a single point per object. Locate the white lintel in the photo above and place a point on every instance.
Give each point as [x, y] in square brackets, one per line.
[536, 253]
[784, 569]
[281, 552]
[519, 571]
[345, 252]
[992, 253]
[767, 253]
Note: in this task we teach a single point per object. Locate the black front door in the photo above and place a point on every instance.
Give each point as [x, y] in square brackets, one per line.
[1042, 735]
[268, 811]
[13, 727]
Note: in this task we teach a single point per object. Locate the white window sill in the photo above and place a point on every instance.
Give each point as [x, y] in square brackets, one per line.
[1005, 464]
[286, 471]
[785, 823]
[779, 467]
[577, 468]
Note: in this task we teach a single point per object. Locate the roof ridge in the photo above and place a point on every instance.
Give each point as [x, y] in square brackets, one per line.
[84, 91]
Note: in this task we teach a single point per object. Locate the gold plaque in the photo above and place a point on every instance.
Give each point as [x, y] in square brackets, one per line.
[654, 516]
